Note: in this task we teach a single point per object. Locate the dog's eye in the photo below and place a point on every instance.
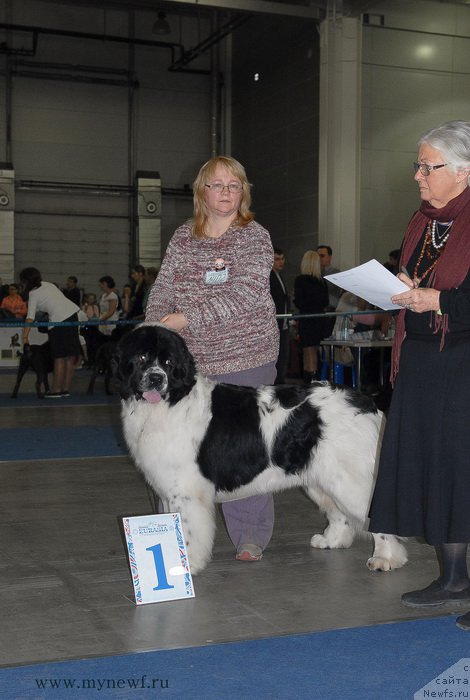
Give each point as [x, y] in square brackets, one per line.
[143, 357]
[168, 363]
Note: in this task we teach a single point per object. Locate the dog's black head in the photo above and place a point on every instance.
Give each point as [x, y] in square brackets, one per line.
[153, 363]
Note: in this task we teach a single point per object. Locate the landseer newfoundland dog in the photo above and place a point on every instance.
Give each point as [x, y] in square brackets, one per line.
[199, 442]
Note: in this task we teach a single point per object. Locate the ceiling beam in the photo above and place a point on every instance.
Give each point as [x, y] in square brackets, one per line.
[257, 6]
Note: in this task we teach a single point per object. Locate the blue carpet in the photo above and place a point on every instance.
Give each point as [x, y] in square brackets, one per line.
[365, 663]
[66, 442]
[77, 398]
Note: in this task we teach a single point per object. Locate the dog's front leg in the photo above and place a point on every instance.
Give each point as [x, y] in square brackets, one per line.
[339, 534]
[22, 369]
[389, 553]
[41, 380]
[198, 518]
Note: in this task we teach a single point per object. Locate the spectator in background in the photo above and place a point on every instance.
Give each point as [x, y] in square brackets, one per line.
[311, 297]
[392, 263]
[14, 302]
[108, 304]
[150, 277]
[281, 301]
[90, 307]
[126, 300]
[136, 310]
[71, 290]
[334, 292]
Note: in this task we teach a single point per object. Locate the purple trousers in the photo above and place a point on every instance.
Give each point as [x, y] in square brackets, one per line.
[250, 520]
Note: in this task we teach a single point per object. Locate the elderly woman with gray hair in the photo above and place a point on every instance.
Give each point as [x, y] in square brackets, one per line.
[423, 482]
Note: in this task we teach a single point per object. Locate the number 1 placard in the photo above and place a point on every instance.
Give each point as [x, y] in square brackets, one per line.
[157, 557]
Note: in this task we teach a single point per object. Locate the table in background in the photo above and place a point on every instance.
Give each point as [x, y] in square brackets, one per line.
[357, 346]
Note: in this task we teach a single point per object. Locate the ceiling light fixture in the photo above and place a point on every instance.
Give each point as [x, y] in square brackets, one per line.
[161, 26]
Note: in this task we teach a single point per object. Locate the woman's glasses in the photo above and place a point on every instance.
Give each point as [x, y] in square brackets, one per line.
[426, 169]
[233, 187]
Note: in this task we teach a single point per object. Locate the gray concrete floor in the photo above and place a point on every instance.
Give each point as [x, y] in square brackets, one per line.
[65, 585]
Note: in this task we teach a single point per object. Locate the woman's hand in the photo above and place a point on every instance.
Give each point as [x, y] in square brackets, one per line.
[176, 321]
[418, 300]
[406, 280]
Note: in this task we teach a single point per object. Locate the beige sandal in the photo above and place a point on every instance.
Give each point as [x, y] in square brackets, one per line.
[249, 552]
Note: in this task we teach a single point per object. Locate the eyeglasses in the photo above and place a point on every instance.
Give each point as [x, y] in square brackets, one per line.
[426, 169]
[233, 187]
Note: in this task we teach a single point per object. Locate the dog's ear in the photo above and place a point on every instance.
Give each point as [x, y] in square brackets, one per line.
[181, 370]
[121, 378]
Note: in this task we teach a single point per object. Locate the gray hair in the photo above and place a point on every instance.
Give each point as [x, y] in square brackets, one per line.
[452, 139]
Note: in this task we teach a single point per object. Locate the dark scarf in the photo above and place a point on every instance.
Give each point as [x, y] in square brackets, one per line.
[452, 266]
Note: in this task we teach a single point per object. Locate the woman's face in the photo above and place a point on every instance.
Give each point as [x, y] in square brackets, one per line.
[223, 203]
[441, 185]
[12, 291]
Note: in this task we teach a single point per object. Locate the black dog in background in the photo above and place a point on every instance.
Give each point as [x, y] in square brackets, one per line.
[38, 358]
[102, 363]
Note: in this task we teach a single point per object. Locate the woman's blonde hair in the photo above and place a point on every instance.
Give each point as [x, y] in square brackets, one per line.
[204, 176]
[310, 264]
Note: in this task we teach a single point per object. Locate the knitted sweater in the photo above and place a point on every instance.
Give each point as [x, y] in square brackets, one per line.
[231, 315]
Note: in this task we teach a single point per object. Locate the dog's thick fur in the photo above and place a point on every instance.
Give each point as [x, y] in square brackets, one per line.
[199, 442]
[39, 359]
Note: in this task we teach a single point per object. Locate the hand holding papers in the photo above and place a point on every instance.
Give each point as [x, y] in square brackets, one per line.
[372, 282]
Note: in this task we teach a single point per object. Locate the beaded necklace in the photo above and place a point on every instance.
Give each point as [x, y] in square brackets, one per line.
[433, 245]
[439, 239]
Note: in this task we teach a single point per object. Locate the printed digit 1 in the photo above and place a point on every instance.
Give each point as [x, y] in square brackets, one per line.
[159, 568]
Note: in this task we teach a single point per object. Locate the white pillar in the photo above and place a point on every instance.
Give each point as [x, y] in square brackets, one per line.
[7, 223]
[340, 138]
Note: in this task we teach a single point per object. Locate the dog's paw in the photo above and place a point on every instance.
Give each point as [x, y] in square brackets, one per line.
[196, 566]
[322, 542]
[197, 562]
[389, 553]
[332, 540]
[384, 564]
[379, 564]
[319, 542]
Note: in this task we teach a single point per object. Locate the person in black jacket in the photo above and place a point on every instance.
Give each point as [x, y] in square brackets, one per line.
[311, 297]
[71, 290]
[281, 301]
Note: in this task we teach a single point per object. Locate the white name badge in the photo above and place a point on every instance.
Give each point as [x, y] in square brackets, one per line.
[157, 557]
[216, 276]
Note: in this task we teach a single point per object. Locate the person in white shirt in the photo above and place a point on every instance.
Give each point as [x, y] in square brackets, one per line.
[47, 298]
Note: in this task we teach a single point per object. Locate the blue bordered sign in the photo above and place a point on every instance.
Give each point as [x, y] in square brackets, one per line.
[157, 558]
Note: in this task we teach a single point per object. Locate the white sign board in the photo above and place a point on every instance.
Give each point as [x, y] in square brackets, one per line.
[157, 557]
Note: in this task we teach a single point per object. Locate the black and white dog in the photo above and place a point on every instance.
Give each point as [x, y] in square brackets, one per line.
[199, 442]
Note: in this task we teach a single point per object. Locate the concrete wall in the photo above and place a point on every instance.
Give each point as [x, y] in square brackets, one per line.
[275, 127]
[411, 81]
[72, 125]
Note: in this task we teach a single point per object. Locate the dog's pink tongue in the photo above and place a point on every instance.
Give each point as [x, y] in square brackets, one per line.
[152, 396]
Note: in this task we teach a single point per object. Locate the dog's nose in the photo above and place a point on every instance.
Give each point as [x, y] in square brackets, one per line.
[156, 380]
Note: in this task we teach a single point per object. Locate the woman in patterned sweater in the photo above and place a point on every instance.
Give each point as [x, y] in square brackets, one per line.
[213, 288]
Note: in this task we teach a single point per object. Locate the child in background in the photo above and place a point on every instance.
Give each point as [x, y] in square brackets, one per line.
[90, 307]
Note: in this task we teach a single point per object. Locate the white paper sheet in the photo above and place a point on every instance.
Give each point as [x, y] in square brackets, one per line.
[372, 282]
